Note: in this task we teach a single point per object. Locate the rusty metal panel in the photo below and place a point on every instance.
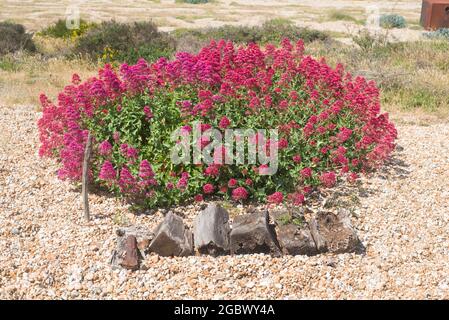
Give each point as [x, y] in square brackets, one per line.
[435, 14]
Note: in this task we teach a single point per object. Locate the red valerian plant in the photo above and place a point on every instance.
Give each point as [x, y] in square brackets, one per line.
[329, 123]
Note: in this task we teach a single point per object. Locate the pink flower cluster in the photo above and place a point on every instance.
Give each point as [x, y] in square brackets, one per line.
[329, 122]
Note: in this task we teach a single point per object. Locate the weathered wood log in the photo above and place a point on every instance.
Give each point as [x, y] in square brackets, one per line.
[85, 177]
[335, 233]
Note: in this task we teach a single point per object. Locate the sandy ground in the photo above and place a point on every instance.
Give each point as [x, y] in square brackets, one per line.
[170, 15]
[47, 250]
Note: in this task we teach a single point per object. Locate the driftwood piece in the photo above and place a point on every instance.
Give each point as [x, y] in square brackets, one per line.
[85, 177]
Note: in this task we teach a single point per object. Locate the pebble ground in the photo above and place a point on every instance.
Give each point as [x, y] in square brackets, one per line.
[47, 251]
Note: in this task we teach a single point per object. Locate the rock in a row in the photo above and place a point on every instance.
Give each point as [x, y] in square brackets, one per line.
[334, 233]
[294, 240]
[211, 230]
[172, 237]
[252, 234]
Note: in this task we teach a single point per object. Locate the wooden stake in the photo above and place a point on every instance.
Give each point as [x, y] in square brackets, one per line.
[85, 181]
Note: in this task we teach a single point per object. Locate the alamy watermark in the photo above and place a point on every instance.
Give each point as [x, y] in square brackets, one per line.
[199, 145]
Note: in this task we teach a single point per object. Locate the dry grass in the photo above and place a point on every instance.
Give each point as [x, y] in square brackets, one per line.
[23, 78]
[413, 76]
[37, 13]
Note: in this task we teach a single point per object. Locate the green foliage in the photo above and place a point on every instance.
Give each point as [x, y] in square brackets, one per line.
[59, 29]
[287, 218]
[195, 1]
[14, 38]
[7, 63]
[341, 16]
[442, 33]
[277, 29]
[272, 31]
[113, 41]
[368, 42]
[390, 21]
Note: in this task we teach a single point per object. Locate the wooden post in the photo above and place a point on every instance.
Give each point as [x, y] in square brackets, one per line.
[85, 181]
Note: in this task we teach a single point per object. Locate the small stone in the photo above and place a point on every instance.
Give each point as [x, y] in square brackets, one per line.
[126, 255]
[320, 241]
[131, 256]
[142, 234]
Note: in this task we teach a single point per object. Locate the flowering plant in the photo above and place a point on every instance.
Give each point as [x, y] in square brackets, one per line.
[330, 125]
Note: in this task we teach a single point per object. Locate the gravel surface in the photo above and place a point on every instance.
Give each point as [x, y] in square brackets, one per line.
[47, 251]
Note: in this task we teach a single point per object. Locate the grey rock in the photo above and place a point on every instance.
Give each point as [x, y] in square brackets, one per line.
[172, 238]
[292, 232]
[251, 233]
[295, 241]
[211, 230]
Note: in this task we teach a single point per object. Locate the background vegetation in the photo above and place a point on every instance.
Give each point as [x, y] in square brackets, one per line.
[413, 76]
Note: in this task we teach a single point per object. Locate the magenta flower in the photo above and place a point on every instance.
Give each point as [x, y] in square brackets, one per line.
[148, 113]
[116, 136]
[107, 171]
[306, 173]
[76, 79]
[239, 193]
[170, 186]
[211, 171]
[224, 122]
[105, 148]
[208, 188]
[296, 158]
[145, 170]
[282, 143]
[199, 198]
[328, 179]
[127, 181]
[232, 183]
[132, 153]
[275, 198]
[183, 181]
[344, 134]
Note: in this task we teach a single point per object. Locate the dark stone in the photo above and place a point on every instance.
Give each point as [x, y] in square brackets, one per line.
[142, 234]
[211, 230]
[294, 240]
[131, 257]
[126, 255]
[172, 238]
[251, 233]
